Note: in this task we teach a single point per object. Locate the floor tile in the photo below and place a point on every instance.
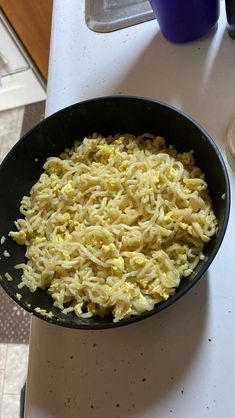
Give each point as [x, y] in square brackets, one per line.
[14, 322]
[33, 114]
[1, 382]
[16, 368]
[10, 128]
[3, 355]
[10, 406]
[1, 387]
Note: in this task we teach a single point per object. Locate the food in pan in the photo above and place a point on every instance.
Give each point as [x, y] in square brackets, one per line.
[114, 224]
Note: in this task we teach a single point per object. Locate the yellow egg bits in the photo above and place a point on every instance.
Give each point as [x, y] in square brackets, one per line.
[114, 224]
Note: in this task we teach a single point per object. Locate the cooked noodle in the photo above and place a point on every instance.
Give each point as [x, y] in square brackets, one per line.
[114, 224]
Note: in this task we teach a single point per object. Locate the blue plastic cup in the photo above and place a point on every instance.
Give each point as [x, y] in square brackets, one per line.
[185, 20]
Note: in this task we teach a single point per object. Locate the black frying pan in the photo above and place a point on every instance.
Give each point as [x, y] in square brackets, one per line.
[108, 115]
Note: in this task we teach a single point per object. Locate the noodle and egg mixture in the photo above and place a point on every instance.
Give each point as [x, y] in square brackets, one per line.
[114, 224]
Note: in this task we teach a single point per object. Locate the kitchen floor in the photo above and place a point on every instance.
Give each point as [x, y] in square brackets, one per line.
[14, 321]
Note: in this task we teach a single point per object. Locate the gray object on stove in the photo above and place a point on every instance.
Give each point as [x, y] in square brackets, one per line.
[110, 15]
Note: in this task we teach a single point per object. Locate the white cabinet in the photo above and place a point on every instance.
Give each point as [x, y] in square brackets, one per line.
[20, 83]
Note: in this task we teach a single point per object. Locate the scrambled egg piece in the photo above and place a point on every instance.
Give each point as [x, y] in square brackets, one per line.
[139, 259]
[18, 236]
[171, 174]
[68, 191]
[43, 312]
[117, 264]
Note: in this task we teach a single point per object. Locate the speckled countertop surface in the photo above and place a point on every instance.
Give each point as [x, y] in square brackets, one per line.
[180, 362]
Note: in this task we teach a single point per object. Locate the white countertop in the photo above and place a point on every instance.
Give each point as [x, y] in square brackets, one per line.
[179, 363]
